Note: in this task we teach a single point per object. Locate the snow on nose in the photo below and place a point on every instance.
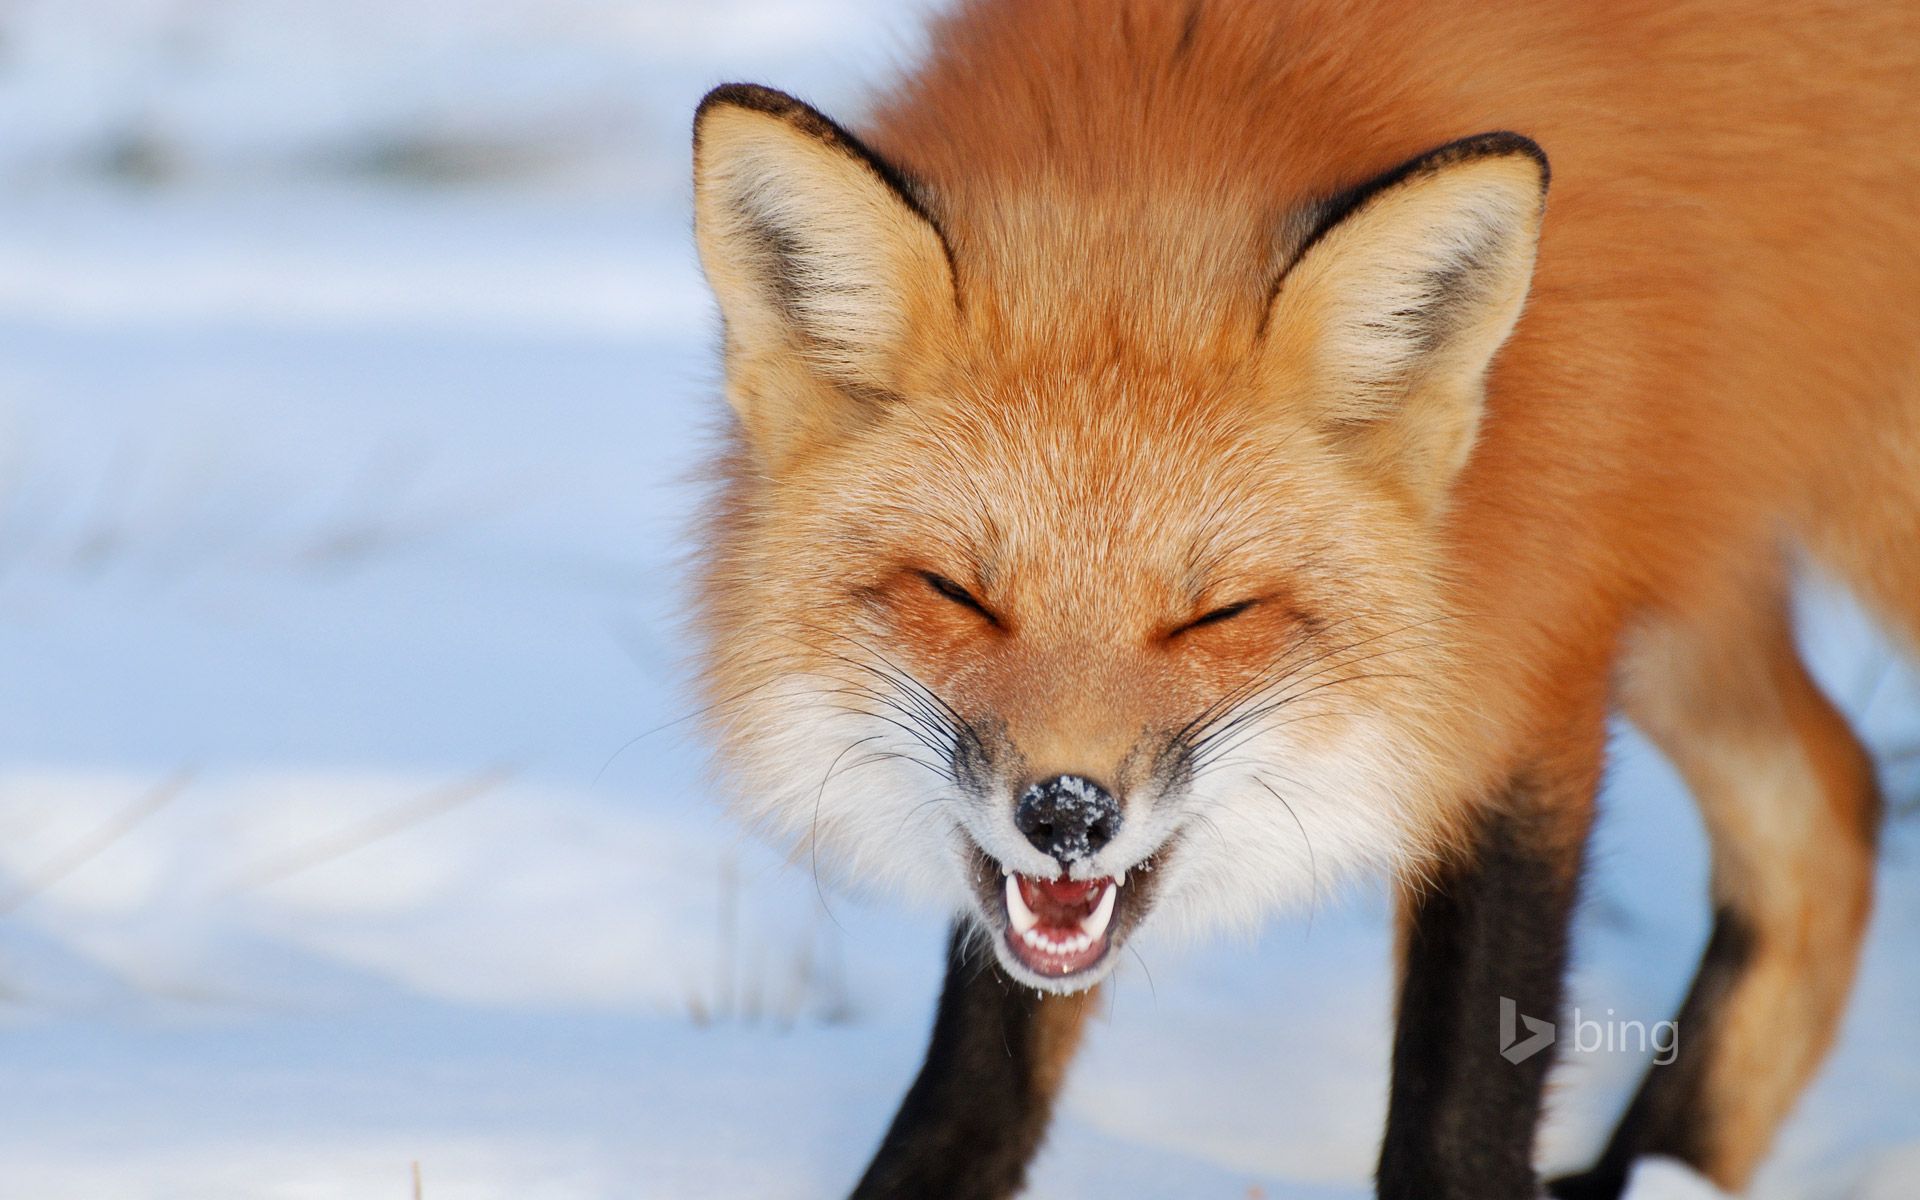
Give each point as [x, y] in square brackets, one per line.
[1068, 817]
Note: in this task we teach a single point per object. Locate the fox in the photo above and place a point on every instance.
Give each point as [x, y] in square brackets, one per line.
[1181, 456]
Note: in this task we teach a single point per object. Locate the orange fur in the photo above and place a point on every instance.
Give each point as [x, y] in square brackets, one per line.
[1725, 318]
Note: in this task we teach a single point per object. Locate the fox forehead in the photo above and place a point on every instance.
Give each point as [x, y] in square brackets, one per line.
[1106, 491]
[1181, 277]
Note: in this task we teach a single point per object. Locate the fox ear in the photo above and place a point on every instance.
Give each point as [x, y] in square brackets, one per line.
[1391, 313]
[830, 275]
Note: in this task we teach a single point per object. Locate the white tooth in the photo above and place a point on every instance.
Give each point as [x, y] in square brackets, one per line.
[1017, 910]
[1006, 870]
[1096, 922]
[1121, 881]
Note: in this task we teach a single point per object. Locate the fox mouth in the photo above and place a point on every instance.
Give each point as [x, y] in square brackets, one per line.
[1058, 927]
[1061, 933]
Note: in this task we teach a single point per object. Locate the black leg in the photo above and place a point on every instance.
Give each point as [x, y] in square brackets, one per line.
[1492, 930]
[978, 1111]
[1667, 1116]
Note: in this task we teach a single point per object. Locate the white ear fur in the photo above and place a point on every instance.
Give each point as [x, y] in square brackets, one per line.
[828, 273]
[1392, 314]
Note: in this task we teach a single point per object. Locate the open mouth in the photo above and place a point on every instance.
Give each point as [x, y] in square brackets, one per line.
[1060, 934]
[1059, 927]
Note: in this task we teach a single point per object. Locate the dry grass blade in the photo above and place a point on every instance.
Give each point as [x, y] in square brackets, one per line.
[99, 841]
[325, 850]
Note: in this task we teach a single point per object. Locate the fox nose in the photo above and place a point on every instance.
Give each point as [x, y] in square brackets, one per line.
[1069, 817]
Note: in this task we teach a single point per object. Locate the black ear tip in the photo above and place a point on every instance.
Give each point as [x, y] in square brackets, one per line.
[772, 102]
[747, 95]
[1504, 142]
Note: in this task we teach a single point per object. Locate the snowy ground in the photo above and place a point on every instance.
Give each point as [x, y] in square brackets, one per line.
[352, 366]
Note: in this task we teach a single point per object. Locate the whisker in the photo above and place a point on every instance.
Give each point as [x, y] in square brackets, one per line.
[1247, 725]
[1151, 990]
[1313, 863]
[1287, 673]
[813, 831]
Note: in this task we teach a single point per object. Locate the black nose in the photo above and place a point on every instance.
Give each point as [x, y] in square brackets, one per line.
[1068, 816]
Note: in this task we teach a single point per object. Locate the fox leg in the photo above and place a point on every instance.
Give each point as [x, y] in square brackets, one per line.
[1792, 812]
[1489, 931]
[978, 1111]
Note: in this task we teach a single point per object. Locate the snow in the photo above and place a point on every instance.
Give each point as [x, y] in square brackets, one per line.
[354, 374]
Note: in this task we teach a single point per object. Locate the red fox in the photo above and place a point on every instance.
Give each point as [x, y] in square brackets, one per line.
[1187, 452]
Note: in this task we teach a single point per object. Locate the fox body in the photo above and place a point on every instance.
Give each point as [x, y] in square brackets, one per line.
[1186, 454]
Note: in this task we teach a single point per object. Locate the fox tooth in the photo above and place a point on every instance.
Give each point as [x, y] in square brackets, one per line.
[1097, 921]
[1017, 910]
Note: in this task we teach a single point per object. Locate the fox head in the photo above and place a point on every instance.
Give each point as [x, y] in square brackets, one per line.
[1073, 594]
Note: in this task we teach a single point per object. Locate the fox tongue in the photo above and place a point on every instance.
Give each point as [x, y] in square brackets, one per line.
[1057, 893]
[1059, 905]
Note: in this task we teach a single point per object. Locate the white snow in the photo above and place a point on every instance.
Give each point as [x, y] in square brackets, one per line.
[353, 371]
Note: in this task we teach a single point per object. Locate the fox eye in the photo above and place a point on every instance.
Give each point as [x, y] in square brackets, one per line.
[959, 595]
[1224, 613]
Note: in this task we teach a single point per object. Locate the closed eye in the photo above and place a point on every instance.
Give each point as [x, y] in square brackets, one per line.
[1224, 613]
[959, 595]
